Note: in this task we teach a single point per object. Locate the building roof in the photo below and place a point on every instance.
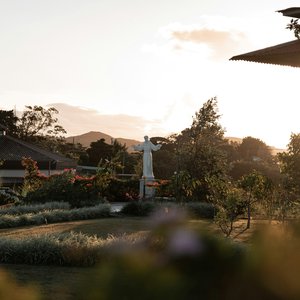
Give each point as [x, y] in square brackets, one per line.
[12, 149]
[293, 12]
[286, 54]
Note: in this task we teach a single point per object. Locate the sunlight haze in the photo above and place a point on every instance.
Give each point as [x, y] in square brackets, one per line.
[130, 68]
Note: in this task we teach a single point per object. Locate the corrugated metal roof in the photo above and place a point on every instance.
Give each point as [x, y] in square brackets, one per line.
[286, 54]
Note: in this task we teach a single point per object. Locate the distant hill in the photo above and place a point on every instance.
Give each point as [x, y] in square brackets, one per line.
[87, 138]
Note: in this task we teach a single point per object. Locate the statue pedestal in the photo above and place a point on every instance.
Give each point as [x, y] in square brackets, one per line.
[146, 192]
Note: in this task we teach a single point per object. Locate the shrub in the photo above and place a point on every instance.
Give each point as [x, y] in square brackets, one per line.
[68, 249]
[138, 208]
[8, 196]
[55, 216]
[200, 209]
[23, 209]
[67, 187]
[123, 190]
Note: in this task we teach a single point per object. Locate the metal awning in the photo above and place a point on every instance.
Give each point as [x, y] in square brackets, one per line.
[293, 12]
[286, 54]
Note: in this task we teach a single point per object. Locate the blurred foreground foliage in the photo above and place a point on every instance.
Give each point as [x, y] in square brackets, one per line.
[175, 262]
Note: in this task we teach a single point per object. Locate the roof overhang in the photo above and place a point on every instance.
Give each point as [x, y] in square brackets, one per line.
[293, 12]
[286, 54]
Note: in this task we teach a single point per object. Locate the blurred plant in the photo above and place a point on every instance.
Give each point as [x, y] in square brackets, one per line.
[10, 289]
[174, 262]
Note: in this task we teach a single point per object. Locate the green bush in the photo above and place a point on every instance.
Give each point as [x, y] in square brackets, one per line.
[200, 210]
[138, 208]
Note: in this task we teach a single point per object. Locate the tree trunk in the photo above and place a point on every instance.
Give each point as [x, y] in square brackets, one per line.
[248, 215]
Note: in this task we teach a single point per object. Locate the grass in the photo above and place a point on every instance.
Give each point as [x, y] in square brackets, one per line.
[102, 228]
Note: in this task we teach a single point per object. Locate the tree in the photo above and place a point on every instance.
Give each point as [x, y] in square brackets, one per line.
[164, 160]
[98, 150]
[200, 148]
[290, 162]
[252, 149]
[37, 121]
[39, 126]
[9, 120]
[254, 154]
[229, 209]
[256, 187]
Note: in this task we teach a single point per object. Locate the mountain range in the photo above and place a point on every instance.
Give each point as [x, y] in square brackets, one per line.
[87, 138]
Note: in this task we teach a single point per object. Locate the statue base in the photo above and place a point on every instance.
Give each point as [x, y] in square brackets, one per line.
[146, 190]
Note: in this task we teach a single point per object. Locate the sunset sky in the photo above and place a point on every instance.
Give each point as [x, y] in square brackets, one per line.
[135, 67]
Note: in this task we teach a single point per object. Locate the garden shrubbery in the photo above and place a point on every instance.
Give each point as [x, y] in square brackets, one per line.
[34, 217]
[78, 190]
[67, 187]
[65, 249]
[8, 196]
[35, 208]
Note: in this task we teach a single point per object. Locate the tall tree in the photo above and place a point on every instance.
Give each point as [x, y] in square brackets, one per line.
[201, 148]
[37, 121]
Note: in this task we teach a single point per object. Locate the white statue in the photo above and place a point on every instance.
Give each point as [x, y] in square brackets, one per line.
[147, 147]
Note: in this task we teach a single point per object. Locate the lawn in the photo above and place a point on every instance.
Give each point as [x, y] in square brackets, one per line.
[59, 282]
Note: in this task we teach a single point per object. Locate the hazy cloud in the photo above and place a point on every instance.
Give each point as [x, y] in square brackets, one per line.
[210, 40]
[221, 43]
[78, 120]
